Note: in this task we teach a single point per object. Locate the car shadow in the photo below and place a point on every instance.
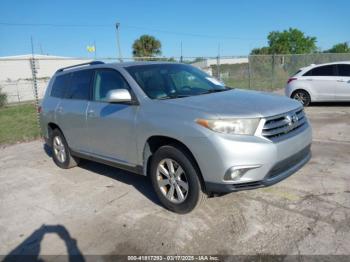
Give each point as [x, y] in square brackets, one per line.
[139, 182]
[29, 249]
[329, 104]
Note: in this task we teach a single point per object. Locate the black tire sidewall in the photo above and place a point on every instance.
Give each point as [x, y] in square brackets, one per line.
[66, 163]
[185, 162]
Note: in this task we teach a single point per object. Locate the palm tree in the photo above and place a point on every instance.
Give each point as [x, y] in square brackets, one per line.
[146, 46]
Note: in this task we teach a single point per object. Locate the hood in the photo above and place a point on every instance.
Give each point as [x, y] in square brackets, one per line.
[238, 103]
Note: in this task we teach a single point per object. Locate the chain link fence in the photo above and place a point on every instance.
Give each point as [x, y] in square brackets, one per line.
[258, 72]
[269, 72]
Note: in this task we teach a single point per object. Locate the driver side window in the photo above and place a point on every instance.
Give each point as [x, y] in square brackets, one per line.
[107, 80]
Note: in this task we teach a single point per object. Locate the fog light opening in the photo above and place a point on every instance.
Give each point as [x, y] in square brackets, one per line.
[236, 173]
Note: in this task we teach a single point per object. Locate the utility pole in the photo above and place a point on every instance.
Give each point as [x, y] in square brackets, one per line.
[181, 57]
[117, 25]
[35, 84]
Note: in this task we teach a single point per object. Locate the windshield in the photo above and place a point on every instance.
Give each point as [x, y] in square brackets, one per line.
[164, 81]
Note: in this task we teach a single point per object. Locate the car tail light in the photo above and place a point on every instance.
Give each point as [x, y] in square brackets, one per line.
[291, 79]
[39, 109]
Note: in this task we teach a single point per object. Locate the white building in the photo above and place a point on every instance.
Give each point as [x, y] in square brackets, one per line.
[206, 64]
[16, 74]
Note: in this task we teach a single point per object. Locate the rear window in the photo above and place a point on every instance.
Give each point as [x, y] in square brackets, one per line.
[344, 70]
[297, 72]
[60, 86]
[80, 85]
[329, 70]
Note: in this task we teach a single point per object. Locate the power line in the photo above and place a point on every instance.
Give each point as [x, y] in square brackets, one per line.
[132, 27]
[52, 25]
[191, 34]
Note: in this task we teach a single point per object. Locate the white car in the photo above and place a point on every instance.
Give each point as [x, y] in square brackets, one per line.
[320, 83]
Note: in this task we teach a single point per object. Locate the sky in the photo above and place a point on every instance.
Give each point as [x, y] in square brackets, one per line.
[233, 28]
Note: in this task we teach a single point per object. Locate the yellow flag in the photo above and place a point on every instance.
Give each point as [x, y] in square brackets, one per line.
[90, 49]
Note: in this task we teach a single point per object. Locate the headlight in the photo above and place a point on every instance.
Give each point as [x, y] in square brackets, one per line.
[231, 126]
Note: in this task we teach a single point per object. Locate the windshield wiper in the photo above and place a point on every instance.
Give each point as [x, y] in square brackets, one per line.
[172, 96]
[216, 90]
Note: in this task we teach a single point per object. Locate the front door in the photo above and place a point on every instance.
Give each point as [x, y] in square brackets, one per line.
[323, 80]
[111, 126]
[342, 91]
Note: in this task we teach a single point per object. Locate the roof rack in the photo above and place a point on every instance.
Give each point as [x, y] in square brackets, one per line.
[83, 64]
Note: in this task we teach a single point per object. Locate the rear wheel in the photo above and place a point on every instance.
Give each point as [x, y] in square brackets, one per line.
[302, 96]
[60, 151]
[175, 180]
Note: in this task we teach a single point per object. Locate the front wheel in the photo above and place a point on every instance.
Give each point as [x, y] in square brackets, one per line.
[175, 180]
[302, 96]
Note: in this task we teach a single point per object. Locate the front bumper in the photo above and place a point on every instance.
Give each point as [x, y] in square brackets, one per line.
[219, 153]
[280, 171]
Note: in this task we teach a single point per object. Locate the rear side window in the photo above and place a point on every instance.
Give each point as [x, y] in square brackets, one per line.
[297, 72]
[80, 85]
[60, 85]
[329, 70]
[344, 70]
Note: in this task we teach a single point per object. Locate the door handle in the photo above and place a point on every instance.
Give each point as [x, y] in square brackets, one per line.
[91, 113]
[341, 81]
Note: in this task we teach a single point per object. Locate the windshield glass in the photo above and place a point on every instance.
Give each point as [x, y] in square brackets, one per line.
[164, 81]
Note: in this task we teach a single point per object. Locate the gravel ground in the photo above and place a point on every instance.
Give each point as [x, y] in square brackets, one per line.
[96, 209]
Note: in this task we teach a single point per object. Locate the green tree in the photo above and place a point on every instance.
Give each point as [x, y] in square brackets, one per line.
[146, 46]
[291, 41]
[261, 51]
[339, 48]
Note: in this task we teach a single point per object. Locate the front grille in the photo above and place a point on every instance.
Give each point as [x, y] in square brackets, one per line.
[248, 185]
[288, 163]
[277, 127]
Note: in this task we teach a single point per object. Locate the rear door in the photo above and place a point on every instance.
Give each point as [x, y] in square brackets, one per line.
[342, 92]
[71, 112]
[111, 126]
[322, 80]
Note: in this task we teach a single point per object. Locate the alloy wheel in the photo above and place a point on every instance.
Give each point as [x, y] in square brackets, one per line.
[301, 97]
[172, 180]
[59, 149]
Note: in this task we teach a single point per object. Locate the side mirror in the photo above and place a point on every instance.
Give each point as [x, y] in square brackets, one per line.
[118, 96]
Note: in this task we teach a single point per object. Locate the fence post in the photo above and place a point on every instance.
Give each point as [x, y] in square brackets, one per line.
[35, 87]
[272, 71]
[249, 73]
[218, 67]
[18, 96]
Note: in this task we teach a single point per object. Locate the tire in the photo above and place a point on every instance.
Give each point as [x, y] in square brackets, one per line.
[60, 148]
[302, 96]
[167, 186]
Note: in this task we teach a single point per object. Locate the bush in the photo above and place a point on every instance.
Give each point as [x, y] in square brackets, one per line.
[3, 99]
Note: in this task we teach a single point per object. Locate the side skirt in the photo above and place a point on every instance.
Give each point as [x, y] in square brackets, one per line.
[133, 169]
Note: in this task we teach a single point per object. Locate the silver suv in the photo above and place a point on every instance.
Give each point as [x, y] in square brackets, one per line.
[172, 122]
